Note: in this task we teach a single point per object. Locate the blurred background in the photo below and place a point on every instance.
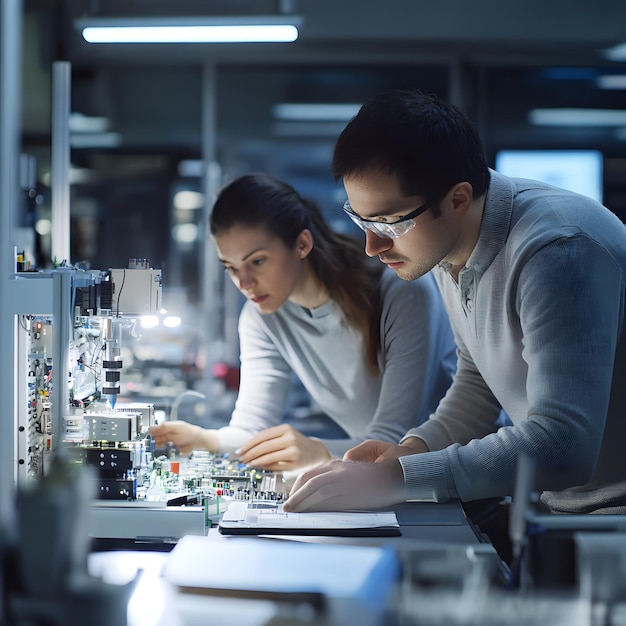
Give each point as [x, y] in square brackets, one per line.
[156, 129]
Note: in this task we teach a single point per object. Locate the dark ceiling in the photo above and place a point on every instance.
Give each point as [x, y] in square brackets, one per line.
[497, 59]
[170, 103]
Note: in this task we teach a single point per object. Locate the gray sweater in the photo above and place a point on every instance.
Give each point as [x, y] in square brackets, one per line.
[537, 316]
[417, 360]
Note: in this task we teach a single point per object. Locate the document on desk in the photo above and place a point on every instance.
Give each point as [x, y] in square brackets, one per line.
[272, 568]
[249, 518]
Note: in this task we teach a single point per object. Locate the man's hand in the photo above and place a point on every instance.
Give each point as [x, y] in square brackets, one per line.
[186, 437]
[344, 485]
[282, 448]
[374, 451]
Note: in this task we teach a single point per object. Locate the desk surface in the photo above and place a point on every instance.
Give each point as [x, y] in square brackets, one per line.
[155, 603]
[419, 521]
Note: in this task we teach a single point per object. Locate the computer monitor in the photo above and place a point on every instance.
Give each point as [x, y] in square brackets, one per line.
[577, 170]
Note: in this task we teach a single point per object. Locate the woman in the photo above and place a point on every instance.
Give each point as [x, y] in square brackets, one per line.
[375, 353]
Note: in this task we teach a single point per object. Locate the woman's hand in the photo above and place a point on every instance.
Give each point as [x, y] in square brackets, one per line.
[282, 448]
[185, 436]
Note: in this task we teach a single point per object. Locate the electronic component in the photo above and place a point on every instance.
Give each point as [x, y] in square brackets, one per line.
[111, 436]
[110, 427]
[116, 489]
[136, 291]
[143, 411]
[68, 357]
[112, 363]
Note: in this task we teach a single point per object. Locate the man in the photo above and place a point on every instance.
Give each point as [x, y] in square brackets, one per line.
[533, 279]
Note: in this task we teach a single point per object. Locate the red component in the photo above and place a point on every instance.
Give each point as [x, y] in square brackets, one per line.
[220, 370]
[227, 373]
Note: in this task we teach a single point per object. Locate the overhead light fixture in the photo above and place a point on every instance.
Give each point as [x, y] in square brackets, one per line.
[92, 132]
[188, 200]
[257, 29]
[301, 112]
[308, 129]
[616, 53]
[190, 168]
[577, 117]
[95, 140]
[79, 123]
[611, 81]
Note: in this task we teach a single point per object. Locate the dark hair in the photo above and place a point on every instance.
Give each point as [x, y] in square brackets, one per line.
[428, 143]
[338, 261]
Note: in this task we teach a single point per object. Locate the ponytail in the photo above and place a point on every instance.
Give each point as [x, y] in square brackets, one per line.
[351, 278]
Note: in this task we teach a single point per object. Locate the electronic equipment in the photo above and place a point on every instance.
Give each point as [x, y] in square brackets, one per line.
[68, 362]
[69, 371]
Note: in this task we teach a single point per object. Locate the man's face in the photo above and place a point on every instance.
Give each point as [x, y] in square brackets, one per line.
[376, 195]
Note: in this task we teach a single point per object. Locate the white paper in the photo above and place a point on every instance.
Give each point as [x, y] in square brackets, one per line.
[245, 515]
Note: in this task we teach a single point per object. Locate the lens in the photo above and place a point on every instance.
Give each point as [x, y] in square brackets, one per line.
[380, 229]
[390, 231]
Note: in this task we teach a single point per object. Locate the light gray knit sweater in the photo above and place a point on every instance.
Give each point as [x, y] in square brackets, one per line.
[537, 314]
[417, 360]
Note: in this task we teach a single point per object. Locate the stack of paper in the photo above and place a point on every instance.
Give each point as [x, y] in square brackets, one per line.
[249, 518]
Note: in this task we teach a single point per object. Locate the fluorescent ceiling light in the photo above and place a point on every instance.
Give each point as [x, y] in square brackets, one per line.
[193, 168]
[263, 29]
[188, 200]
[308, 129]
[185, 233]
[612, 81]
[616, 53]
[80, 123]
[315, 112]
[577, 117]
[95, 140]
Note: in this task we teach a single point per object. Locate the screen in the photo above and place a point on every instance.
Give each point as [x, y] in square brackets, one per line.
[576, 170]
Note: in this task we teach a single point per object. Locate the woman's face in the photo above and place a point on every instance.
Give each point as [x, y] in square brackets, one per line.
[262, 267]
